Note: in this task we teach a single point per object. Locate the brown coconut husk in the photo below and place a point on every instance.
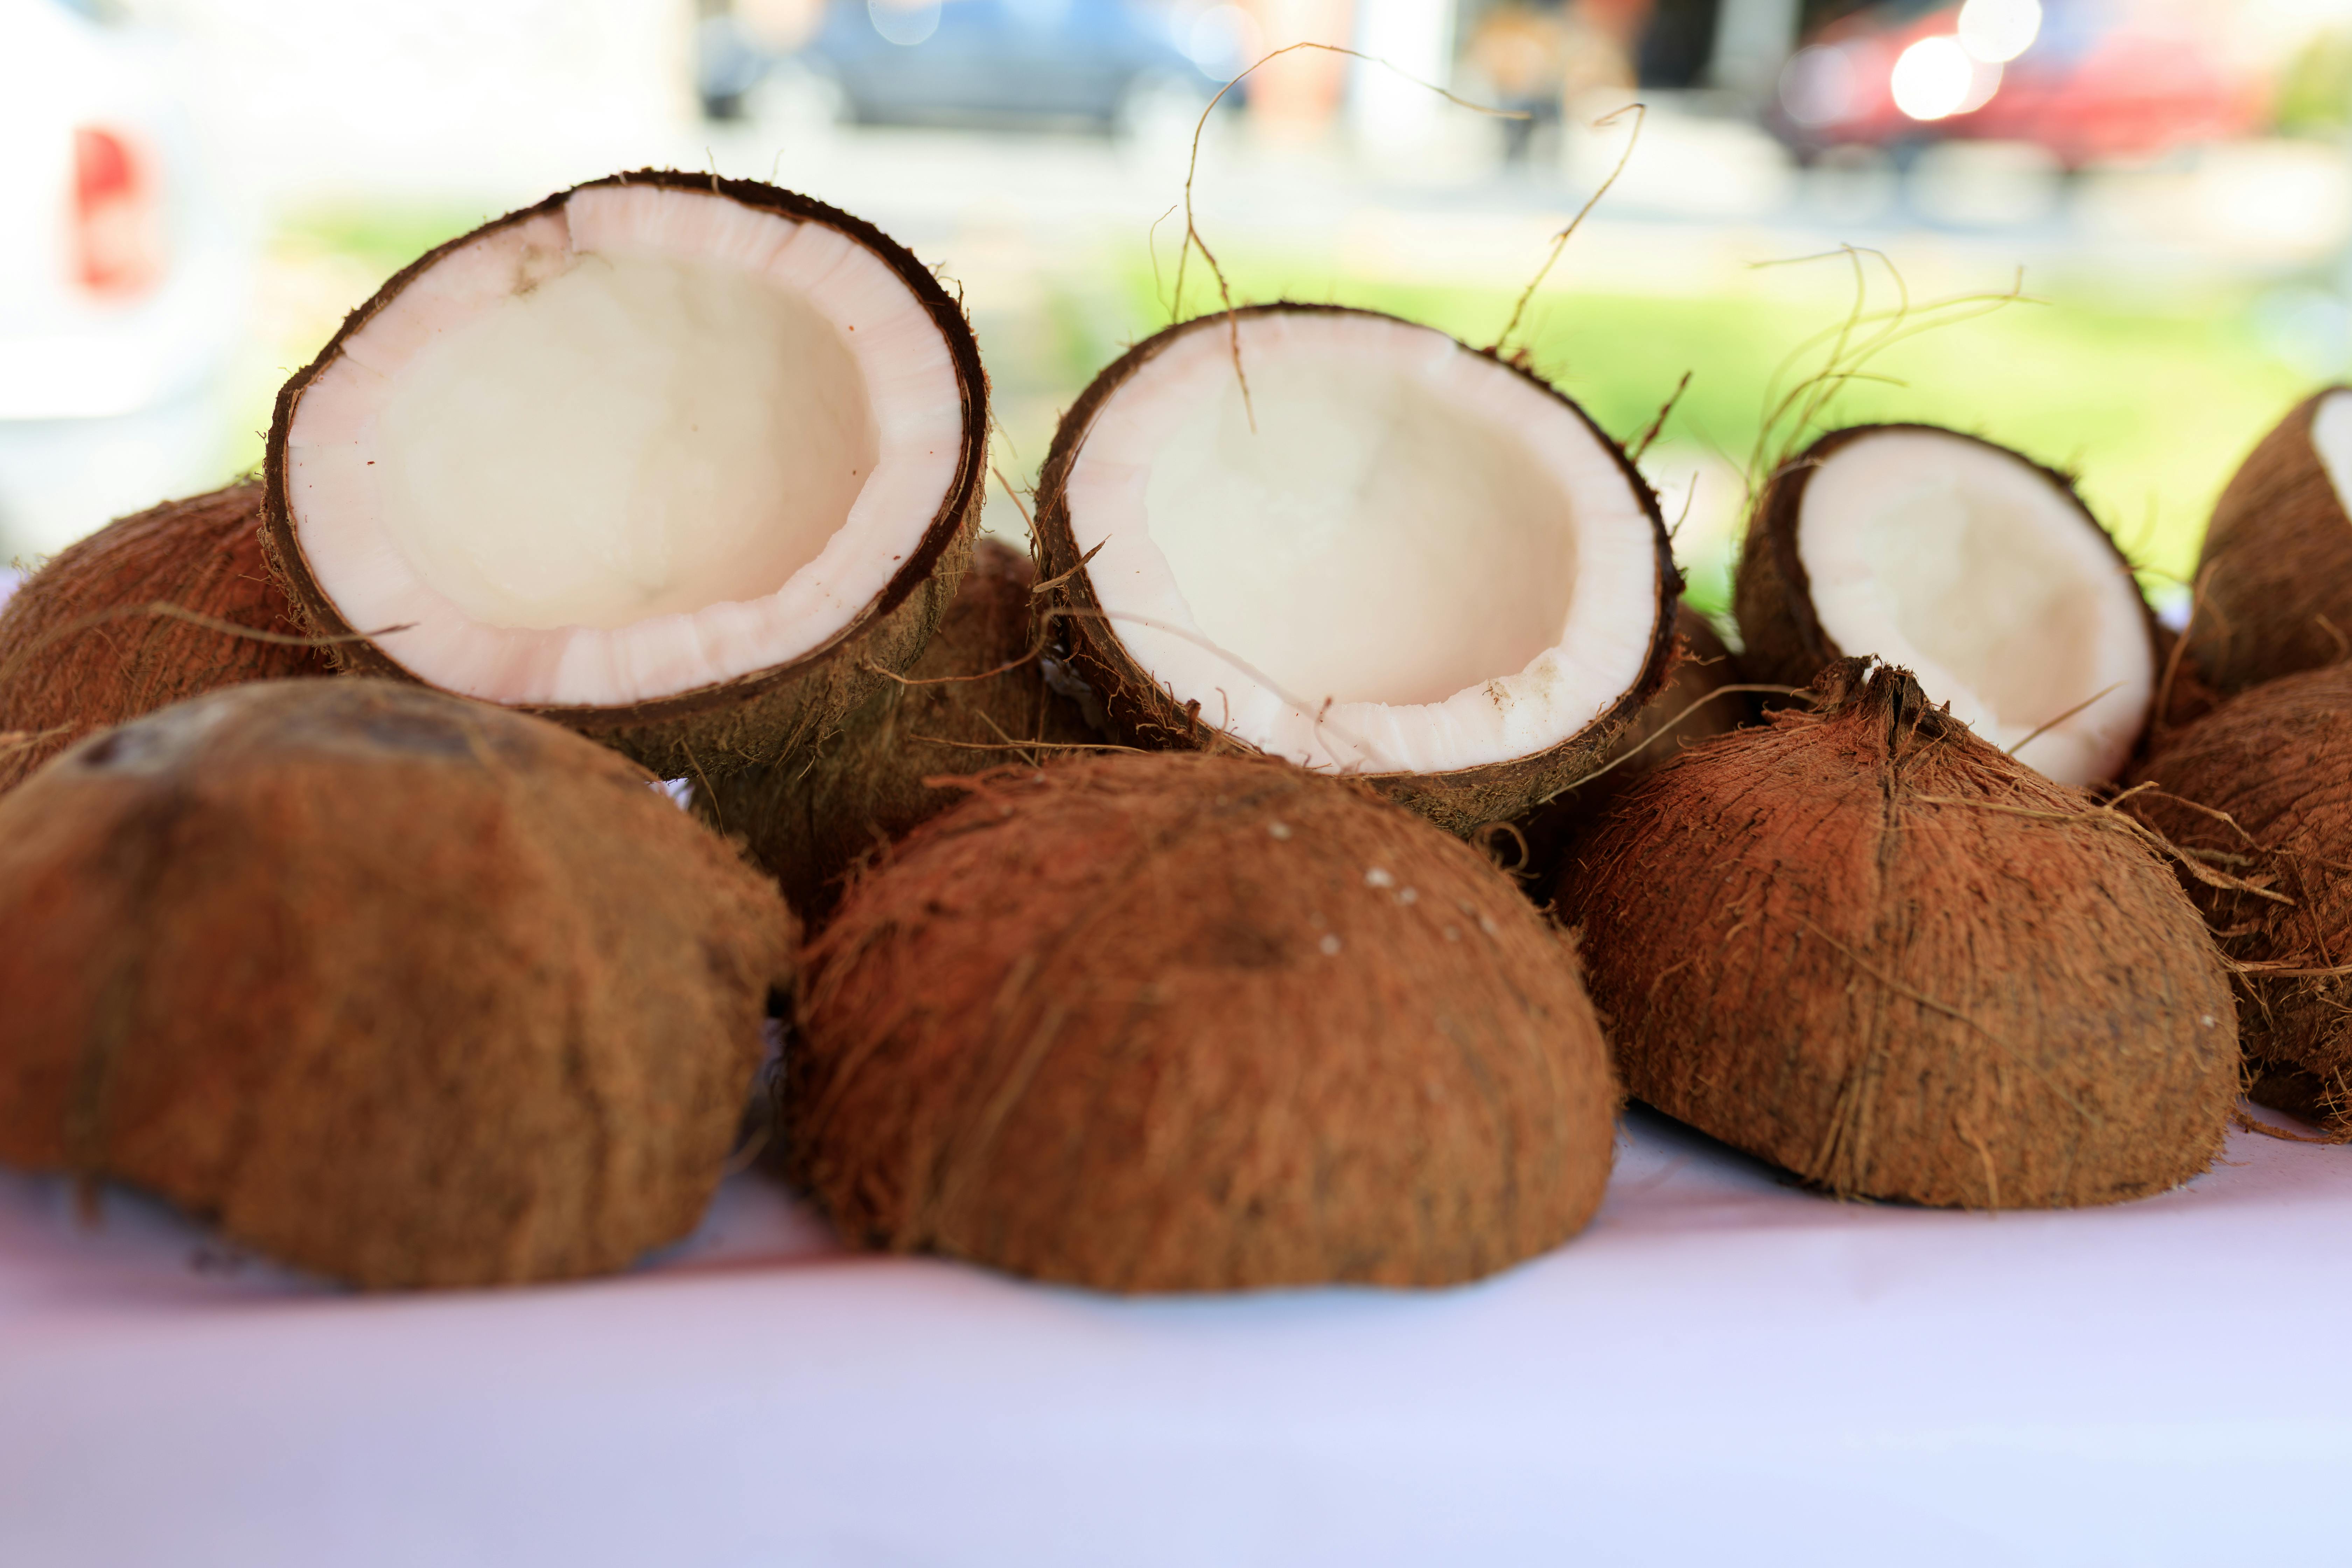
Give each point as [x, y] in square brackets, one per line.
[1863, 944]
[398, 988]
[151, 609]
[773, 712]
[2261, 792]
[1186, 1022]
[2275, 574]
[1147, 714]
[975, 701]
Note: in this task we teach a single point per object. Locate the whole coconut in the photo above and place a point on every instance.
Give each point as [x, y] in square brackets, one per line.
[1863, 944]
[2272, 771]
[1192, 1022]
[974, 701]
[399, 988]
[80, 650]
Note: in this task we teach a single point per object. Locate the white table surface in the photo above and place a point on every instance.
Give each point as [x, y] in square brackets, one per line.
[1722, 1370]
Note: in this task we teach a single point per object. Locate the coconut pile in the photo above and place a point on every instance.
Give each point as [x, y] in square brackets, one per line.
[1279, 875]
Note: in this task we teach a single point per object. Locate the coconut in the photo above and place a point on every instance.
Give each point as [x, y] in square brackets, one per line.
[137, 616]
[1868, 946]
[976, 700]
[401, 989]
[1186, 1022]
[1975, 566]
[2275, 576]
[687, 464]
[1355, 543]
[2261, 792]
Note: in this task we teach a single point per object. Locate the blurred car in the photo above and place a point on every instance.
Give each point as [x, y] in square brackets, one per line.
[123, 289]
[2083, 80]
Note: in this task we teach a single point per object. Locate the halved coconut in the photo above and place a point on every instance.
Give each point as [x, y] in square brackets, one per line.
[2277, 562]
[1975, 568]
[684, 463]
[1389, 555]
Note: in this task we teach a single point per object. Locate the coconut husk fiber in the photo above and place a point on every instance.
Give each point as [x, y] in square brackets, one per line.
[395, 988]
[1867, 946]
[2260, 790]
[81, 651]
[1190, 1022]
[976, 700]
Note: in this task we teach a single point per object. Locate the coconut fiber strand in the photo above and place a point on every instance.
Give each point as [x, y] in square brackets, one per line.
[2262, 789]
[974, 701]
[1867, 945]
[1192, 1022]
[80, 650]
[399, 988]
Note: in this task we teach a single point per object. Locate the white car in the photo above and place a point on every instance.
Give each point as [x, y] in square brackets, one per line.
[123, 282]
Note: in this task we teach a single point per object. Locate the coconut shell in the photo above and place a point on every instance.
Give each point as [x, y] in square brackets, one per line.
[401, 989]
[1147, 714]
[2275, 763]
[769, 714]
[2275, 573]
[975, 701]
[1188, 1022]
[1868, 946]
[80, 652]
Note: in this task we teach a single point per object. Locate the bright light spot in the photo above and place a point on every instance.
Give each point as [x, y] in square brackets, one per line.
[1224, 39]
[1934, 79]
[1997, 30]
[904, 22]
[1819, 86]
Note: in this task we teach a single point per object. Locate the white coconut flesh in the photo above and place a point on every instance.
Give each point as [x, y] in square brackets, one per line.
[647, 442]
[1969, 567]
[1416, 561]
[2331, 438]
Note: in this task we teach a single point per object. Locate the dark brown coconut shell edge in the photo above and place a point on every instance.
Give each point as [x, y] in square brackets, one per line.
[714, 729]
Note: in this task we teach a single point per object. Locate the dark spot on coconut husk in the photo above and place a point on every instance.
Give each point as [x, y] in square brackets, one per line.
[1863, 944]
[2261, 790]
[393, 1010]
[80, 650]
[1186, 1022]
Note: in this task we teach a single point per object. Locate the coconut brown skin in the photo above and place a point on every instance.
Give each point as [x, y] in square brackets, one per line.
[2275, 574]
[398, 988]
[1187, 1022]
[773, 712]
[974, 701]
[2277, 760]
[1771, 596]
[1147, 714]
[1867, 946]
[79, 653]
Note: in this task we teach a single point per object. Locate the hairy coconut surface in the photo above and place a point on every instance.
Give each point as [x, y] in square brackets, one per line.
[1184, 1022]
[399, 988]
[79, 651]
[1864, 945]
[1973, 565]
[2276, 569]
[1386, 555]
[687, 464]
[2262, 787]
[976, 700]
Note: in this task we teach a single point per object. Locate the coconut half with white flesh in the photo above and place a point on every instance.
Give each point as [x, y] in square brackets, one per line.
[1974, 567]
[681, 462]
[1373, 551]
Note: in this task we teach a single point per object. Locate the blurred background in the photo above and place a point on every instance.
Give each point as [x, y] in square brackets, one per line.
[193, 192]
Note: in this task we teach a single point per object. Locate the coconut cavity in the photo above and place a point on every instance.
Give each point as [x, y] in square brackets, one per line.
[398, 988]
[1185, 1022]
[1389, 555]
[1968, 564]
[650, 456]
[1864, 943]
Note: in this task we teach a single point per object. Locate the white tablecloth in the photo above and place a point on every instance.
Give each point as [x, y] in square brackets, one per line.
[1721, 1370]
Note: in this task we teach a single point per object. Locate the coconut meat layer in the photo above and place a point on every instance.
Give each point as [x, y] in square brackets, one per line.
[1967, 565]
[650, 441]
[1391, 554]
[2331, 438]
